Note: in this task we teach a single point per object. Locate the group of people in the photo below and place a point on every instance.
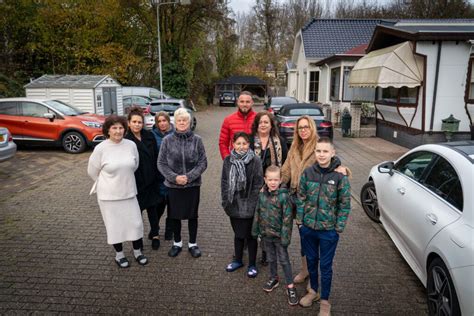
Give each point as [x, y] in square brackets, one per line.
[135, 169]
[264, 188]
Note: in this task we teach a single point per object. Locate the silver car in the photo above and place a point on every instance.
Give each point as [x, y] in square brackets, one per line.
[7, 146]
[169, 106]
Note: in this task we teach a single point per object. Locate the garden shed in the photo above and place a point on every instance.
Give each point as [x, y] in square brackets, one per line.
[100, 94]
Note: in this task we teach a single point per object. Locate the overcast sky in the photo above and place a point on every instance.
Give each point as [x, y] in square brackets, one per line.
[246, 5]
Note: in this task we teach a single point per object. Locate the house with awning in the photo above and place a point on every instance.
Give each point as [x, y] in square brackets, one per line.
[324, 52]
[422, 73]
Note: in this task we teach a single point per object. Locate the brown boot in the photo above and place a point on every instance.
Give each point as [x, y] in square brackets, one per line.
[324, 308]
[309, 298]
[301, 277]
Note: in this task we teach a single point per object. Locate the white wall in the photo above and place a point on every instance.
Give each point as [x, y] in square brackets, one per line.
[451, 83]
[80, 98]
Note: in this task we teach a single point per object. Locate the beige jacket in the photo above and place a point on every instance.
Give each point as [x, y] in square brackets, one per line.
[293, 168]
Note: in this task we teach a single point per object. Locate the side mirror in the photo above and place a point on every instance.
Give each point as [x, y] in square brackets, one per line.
[49, 116]
[386, 167]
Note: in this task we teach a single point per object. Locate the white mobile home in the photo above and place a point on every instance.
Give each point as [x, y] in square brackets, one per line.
[90, 93]
[422, 70]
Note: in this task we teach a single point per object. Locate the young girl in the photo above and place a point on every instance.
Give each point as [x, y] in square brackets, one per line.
[242, 179]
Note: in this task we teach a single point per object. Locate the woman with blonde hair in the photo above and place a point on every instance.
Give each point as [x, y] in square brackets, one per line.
[300, 156]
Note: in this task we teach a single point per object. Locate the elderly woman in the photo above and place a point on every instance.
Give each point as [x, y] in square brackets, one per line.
[266, 141]
[112, 166]
[147, 175]
[160, 130]
[182, 160]
[301, 156]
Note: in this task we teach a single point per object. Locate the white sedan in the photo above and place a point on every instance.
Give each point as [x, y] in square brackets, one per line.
[425, 202]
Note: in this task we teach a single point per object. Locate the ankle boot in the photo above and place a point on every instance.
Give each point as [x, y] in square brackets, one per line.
[324, 308]
[301, 277]
[309, 298]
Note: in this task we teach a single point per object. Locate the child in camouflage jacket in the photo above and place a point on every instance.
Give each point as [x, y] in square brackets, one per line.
[273, 222]
[323, 206]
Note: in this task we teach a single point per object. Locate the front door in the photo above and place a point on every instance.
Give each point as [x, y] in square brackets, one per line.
[110, 100]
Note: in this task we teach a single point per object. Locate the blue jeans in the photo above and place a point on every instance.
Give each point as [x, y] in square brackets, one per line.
[319, 245]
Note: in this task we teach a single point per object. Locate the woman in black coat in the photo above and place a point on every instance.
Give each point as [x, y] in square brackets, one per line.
[147, 175]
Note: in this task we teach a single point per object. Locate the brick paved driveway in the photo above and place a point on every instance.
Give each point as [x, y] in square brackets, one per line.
[55, 258]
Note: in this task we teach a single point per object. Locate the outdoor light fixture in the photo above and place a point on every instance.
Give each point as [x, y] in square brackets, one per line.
[449, 126]
[158, 3]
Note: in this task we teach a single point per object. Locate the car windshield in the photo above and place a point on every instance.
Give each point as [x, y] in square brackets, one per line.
[282, 101]
[64, 108]
[303, 111]
[167, 107]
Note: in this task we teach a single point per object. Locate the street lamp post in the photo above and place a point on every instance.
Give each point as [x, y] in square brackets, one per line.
[158, 4]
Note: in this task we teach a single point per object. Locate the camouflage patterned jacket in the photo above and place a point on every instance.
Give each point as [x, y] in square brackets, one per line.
[324, 199]
[273, 217]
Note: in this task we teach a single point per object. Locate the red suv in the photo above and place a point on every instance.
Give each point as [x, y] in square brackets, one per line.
[50, 122]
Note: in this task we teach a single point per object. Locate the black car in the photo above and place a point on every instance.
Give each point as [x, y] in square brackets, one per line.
[227, 98]
[275, 103]
[291, 112]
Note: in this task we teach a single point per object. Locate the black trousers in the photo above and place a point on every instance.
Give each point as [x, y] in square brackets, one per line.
[160, 211]
[192, 227]
[137, 244]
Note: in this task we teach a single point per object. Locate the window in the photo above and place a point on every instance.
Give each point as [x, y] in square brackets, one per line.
[33, 109]
[307, 111]
[335, 79]
[313, 86]
[355, 94]
[403, 95]
[142, 102]
[444, 182]
[9, 108]
[415, 164]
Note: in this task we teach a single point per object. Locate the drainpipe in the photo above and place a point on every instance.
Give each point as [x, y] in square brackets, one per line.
[433, 105]
[328, 85]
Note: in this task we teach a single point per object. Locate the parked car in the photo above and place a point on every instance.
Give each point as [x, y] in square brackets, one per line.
[50, 122]
[145, 91]
[227, 98]
[144, 103]
[289, 113]
[425, 202]
[7, 146]
[275, 103]
[171, 105]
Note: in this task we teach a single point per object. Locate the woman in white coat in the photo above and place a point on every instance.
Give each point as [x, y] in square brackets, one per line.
[112, 166]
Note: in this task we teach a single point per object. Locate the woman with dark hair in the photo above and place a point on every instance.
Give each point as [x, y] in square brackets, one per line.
[160, 130]
[112, 166]
[182, 161]
[268, 146]
[266, 141]
[147, 175]
[242, 179]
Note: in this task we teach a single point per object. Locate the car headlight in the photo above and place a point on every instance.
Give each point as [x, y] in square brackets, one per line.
[92, 124]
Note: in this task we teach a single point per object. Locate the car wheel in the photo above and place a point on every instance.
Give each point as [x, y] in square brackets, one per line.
[74, 143]
[368, 198]
[442, 298]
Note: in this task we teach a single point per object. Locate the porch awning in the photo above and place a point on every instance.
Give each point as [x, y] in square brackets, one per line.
[395, 66]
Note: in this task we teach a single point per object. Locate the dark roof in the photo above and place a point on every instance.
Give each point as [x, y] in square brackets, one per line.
[67, 81]
[326, 37]
[248, 80]
[422, 30]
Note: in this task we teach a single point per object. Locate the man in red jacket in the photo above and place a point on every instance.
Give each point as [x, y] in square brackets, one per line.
[240, 121]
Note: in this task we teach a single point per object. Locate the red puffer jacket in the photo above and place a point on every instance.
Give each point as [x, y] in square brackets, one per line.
[232, 124]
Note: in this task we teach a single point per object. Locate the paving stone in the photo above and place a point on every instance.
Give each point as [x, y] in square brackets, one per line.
[56, 259]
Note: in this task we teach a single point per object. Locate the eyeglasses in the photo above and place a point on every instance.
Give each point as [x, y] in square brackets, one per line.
[300, 128]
